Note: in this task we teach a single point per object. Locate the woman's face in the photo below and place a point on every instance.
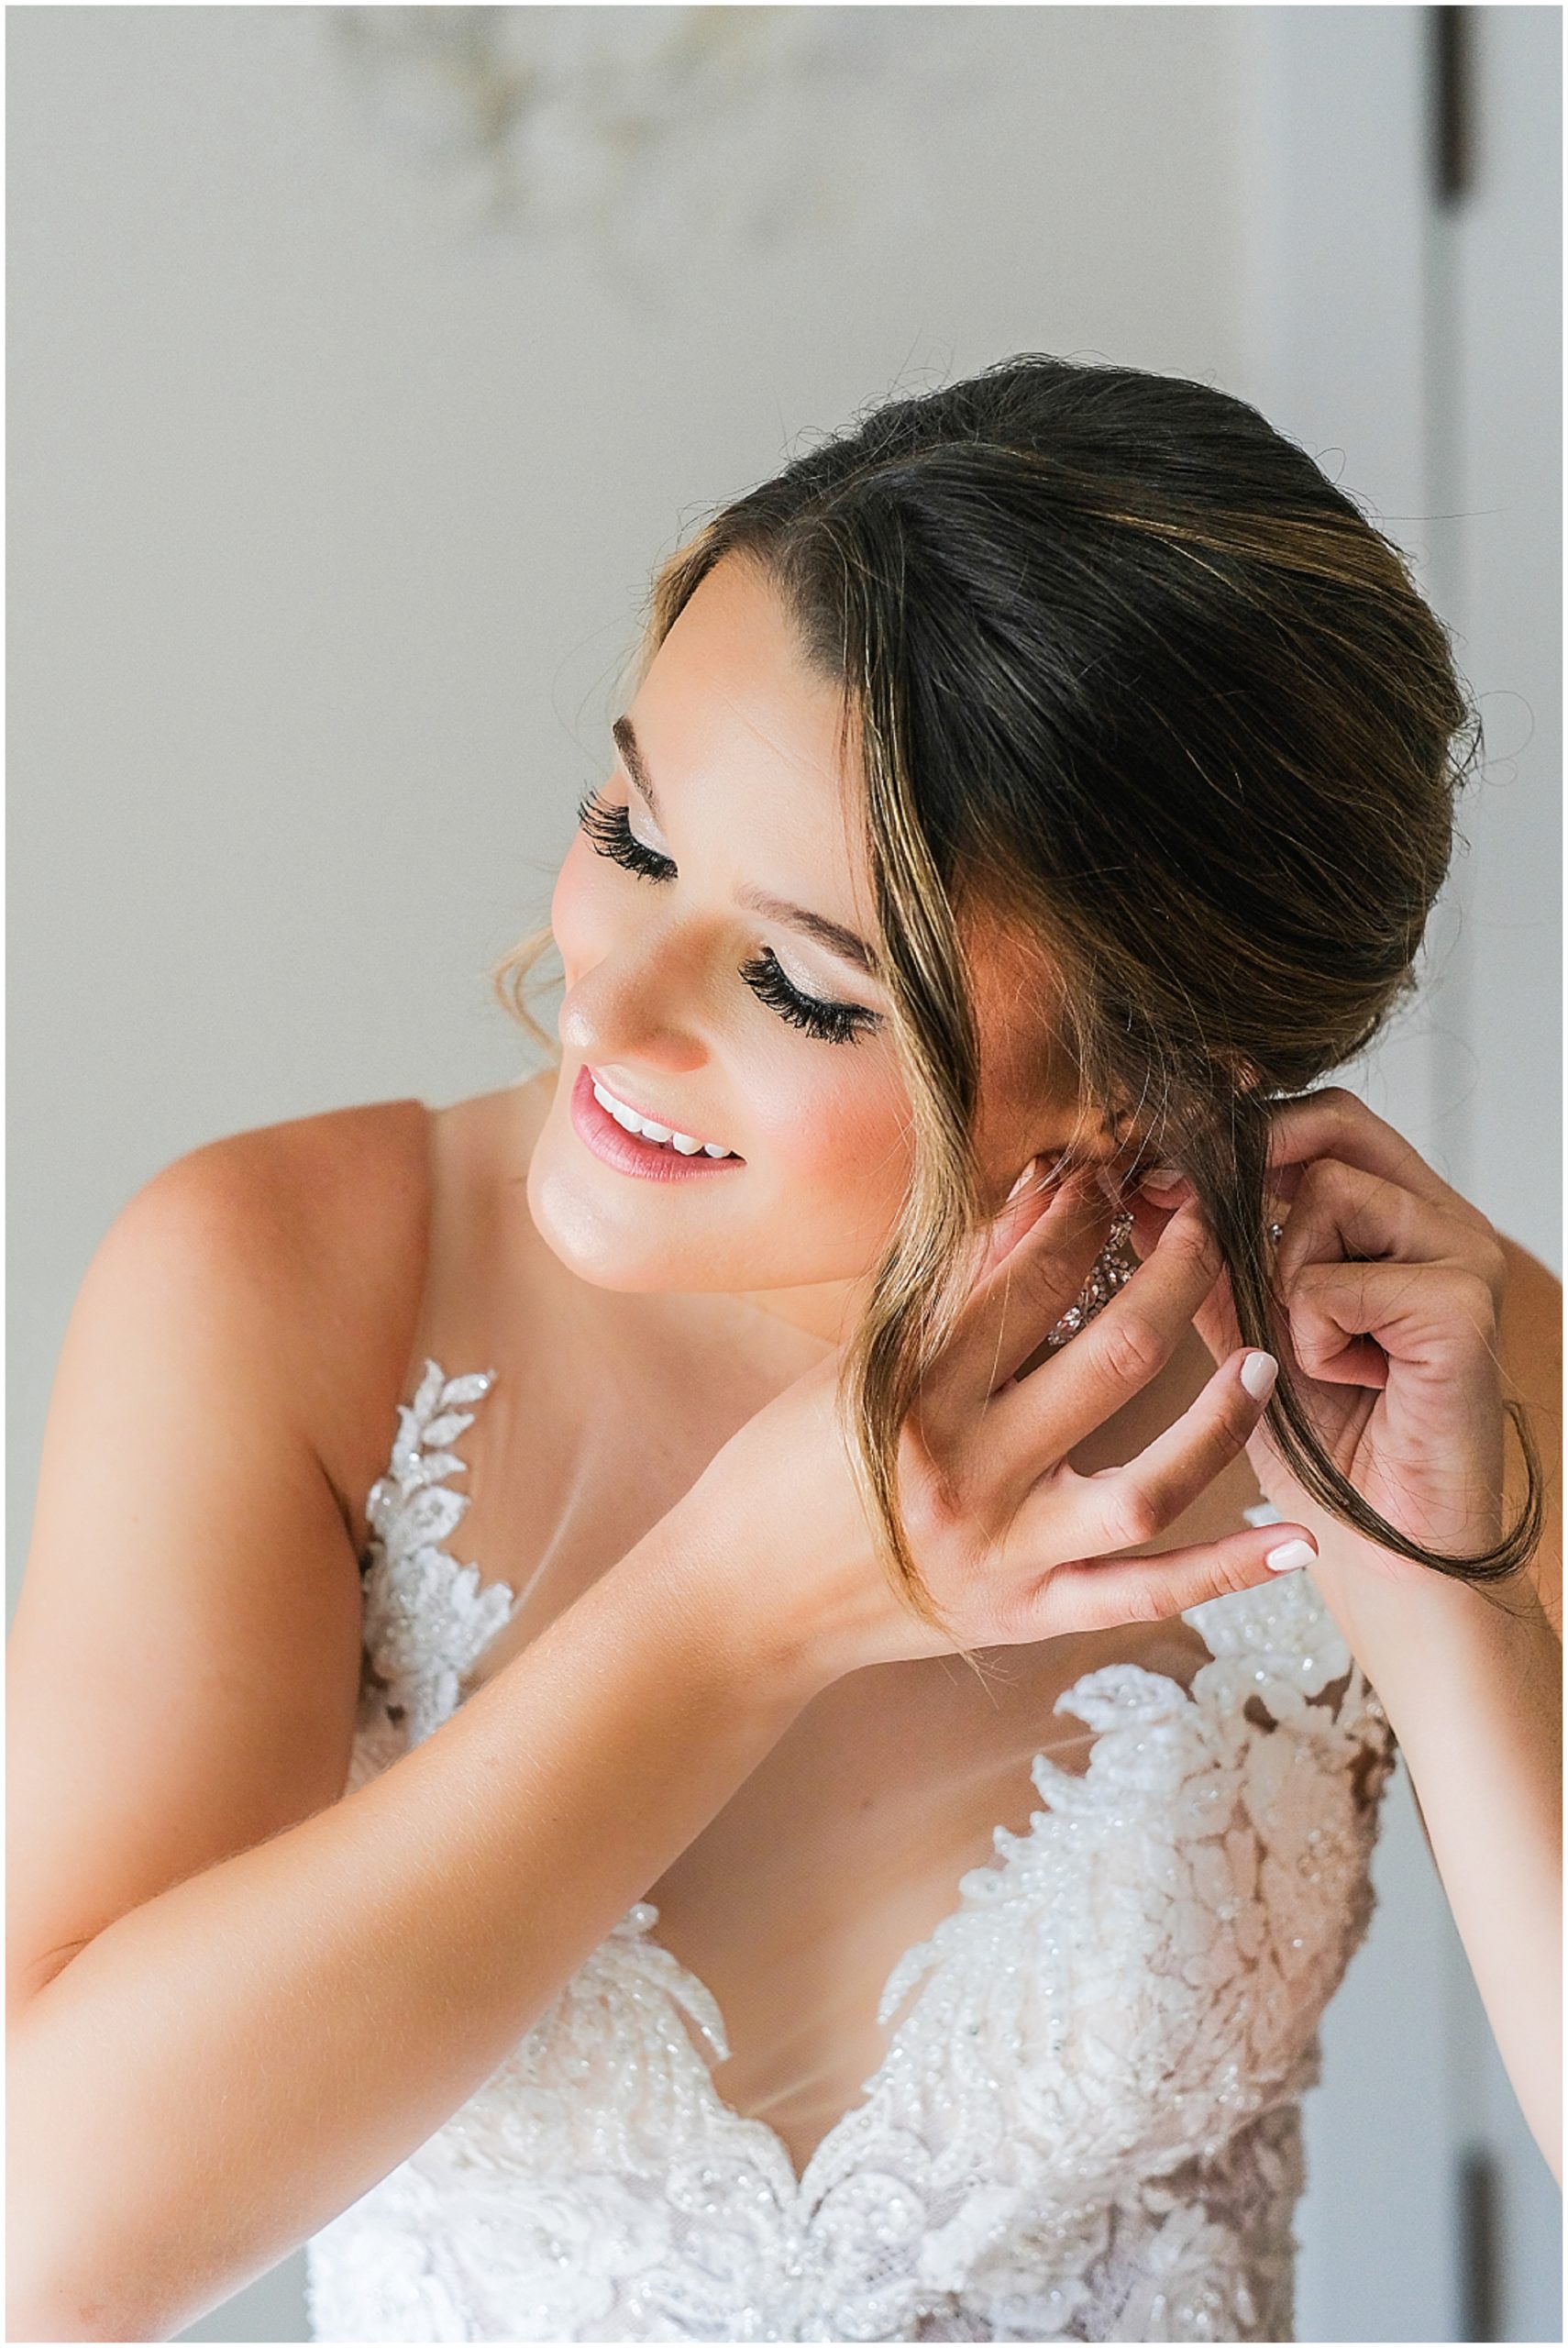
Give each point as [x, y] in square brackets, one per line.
[694, 998]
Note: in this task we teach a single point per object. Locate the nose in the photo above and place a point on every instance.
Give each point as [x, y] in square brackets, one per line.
[626, 1010]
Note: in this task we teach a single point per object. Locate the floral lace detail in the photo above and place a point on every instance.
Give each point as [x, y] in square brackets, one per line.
[1086, 2123]
[428, 1621]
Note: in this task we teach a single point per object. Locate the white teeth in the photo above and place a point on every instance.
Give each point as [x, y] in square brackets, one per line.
[686, 1143]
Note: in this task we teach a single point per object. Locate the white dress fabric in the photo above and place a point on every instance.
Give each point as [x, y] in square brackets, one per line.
[1085, 2124]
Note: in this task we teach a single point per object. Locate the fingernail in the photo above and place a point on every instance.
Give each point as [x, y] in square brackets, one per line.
[1162, 1178]
[1289, 1555]
[1258, 1374]
[1022, 1181]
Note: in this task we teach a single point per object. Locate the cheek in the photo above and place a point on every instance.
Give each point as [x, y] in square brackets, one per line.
[826, 1127]
[832, 1126]
[581, 907]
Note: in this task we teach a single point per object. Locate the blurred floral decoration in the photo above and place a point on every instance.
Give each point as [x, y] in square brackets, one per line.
[651, 126]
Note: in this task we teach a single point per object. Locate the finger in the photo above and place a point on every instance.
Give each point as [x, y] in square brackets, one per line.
[1039, 1185]
[1037, 1422]
[1343, 1211]
[1334, 1122]
[1348, 1322]
[1094, 1594]
[1050, 1249]
[1215, 1319]
[1325, 1299]
[1127, 1505]
[1151, 1205]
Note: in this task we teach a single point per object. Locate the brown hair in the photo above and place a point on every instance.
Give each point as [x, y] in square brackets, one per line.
[1119, 662]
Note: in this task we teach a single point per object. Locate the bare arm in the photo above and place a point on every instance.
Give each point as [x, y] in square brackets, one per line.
[237, 2000]
[1473, 1689]
[277, 1993]
[1412, 1323]
[222, 2070]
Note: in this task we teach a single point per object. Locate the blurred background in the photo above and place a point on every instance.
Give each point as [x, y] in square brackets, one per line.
[362, 363]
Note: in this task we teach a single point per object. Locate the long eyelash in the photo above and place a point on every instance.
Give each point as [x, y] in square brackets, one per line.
[833, 1023]
[611, 832]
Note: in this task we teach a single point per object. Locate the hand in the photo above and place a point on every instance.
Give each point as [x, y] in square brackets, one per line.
[1392, 1284]
[1014, 1543]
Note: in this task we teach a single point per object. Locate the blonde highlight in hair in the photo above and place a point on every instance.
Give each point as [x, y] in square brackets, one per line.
[1121, 665]
[513, 985]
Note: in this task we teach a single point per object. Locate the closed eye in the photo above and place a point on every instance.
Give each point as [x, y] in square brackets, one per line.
[609, 830]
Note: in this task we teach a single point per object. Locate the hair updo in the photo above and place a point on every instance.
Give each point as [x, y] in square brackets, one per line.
[1120, 664]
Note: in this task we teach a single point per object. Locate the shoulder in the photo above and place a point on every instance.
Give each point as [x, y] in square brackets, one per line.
[309, 1236]
[308, 1203]
[296, 1178]
[1531, 1324]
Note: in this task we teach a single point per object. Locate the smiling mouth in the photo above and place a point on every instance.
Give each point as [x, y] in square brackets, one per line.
[663, 1136]
[630, 1149]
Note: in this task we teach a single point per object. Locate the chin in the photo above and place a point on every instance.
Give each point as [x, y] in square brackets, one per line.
[641, 1244]
[595, 1245]
[635, 1244]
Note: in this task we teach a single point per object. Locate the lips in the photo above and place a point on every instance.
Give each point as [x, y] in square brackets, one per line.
[629, 1153]
[670, 1125]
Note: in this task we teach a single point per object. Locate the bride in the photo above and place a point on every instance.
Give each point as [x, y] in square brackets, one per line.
[854, 1837]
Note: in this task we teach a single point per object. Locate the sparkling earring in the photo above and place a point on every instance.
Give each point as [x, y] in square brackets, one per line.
[1109, 1273]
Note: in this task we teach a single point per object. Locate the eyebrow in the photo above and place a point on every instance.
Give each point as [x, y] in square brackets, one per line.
[831, 933]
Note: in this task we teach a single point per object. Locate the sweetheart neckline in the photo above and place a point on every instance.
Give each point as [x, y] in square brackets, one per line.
[431, 1417]
[644, 1915]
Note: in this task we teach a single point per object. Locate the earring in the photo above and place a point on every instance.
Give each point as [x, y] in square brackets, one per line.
[1109, 1273]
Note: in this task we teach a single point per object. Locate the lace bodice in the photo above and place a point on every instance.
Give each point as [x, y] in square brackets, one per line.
[1086, 2123]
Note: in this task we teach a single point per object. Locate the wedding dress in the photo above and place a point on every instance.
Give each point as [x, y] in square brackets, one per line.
[1086, 2125]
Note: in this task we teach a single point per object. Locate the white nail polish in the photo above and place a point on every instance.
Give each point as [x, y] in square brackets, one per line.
[1289, 1555]
[1022, 1179]
[1258, 1374]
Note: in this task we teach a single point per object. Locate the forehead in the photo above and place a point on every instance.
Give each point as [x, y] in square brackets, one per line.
[729, 683]
[741, 743]
[738, 733]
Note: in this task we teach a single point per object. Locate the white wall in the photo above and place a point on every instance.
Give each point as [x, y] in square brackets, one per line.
[1416, 349]
[1503, 477]
[329, 518]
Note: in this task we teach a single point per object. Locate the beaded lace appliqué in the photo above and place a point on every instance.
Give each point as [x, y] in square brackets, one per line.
[427, 1621]
[1085, 2126]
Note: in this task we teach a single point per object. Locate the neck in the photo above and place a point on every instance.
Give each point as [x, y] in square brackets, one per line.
[825, 1309]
